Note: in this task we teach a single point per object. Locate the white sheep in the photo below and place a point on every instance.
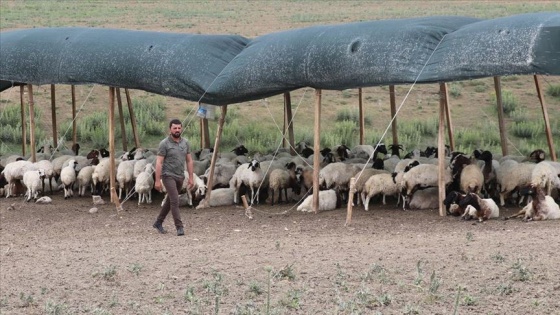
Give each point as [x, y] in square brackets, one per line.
[14, 172]
[328, 200]
[511, 175]
[68, 177]
[484, 208]
[144, 184]
[101, 174]
[125, 173]
[33, 181]
[383, 183]
[84, 180]
[58, 163]
[363, 177]
[282, 179]
[423, 176]
[425, 199]
[139, 167]
[545, 175]
[223, 172]
[542, 207]
[48, 168]
[337, 176]
[248, 174]
[471, 179]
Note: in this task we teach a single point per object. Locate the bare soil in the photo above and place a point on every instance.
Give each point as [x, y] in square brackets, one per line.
[60, 259]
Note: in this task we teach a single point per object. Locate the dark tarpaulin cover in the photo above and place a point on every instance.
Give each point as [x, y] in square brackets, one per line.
[225, 69]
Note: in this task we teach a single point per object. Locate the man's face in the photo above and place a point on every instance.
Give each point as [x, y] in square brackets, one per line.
[175, 131]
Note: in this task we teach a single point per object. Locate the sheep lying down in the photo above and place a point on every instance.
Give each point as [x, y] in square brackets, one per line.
[328, 200]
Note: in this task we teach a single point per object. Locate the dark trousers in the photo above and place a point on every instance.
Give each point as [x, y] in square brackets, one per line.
[173, 186]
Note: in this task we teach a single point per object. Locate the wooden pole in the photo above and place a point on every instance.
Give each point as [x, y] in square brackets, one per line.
[546, 121]
[210, 183]
[121, 116]
[449, 123]
[316, 149]
[23, 120]
[53, 115]
[112, 166]
[132, 118]
[290, 122]
[74, 126]
[393, 114]
[32, 123]
[350, 201]
[441, 147]
[361, 114]
[205, 133]
[503, 131]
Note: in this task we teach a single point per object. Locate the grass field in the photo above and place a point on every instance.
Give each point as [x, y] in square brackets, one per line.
[472, 102]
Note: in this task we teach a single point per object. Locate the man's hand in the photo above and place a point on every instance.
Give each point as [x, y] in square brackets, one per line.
[190, 184]
[157, 185]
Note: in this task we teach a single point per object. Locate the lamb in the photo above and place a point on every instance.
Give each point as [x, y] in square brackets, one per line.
[250, 175]
[84, 180]
[485, 208]
[513, 175]
[68, 177]
[541, 208]
[282, 179]
[545, 176]
[422, 176]
[144, 184]
[33, 181]
[328, 200]
[363, 177]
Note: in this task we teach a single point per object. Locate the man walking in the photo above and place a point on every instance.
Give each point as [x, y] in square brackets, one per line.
[170, 172]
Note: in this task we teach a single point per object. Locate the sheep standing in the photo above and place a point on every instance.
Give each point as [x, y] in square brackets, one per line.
[250, 175]
[545, 176]
[485, 208]
[144, 184]
[472, 179]
[13, 172]
[33, 181]
[337, 176]
[511, 175]
[362, 179]
[282, 179]
[383, 183]
[328, 200]
[68, 177]
[125, 174]
[422, 176]
[84, 180]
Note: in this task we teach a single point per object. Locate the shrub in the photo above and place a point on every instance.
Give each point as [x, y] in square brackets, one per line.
[553, 90]
[509, 102]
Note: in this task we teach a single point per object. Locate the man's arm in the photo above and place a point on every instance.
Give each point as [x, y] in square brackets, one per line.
[159, 163]
[190, 168]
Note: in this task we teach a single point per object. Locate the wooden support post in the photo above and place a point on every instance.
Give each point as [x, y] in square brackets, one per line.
[112, 166]
[393, 114]
[53, 115]
[441, 146]
[23, 120]
[32, 124]
[132, 118]
[316, 149]
[449, 123]
[289, 121]
[210, 183]
[121, 116]
[350, 201]
[74, 126]
[503, 131]
[546, 121]
[205, 133]
[361, 114]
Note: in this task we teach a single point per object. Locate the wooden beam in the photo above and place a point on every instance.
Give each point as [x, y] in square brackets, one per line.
[501, 124]
[441, 146]
[546, 120]
[74, 126]
[132, 118]
[112, 164]
[32, 124]
[449, 123]
[361, 114]
[23, 121]
[205, 203]
[53, 115]
[316, 149]
[121, 116]
[289, 121]
[350, 201]
[393, 114]
[204, 133]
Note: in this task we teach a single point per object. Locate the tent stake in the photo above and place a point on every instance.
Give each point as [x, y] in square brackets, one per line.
[350, 201]
[204, 203]
[113, 192]
[32, 123]
[441, 147]
[361, 114]
[503, 136]
[393, 114]
[53, 115]
[132, 118]
[121, 116]
[23, 125]
[316, 149]
[74, 126]
[546, 121]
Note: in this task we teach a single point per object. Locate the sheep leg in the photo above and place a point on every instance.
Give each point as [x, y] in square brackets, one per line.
[366, 202]
[517, 215]
[384, 203]
[272, 196]
[285, 195]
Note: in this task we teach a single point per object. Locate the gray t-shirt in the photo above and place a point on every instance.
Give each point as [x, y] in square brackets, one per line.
[174, 154]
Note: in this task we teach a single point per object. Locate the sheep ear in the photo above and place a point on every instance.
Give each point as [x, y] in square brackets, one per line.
[541, 155]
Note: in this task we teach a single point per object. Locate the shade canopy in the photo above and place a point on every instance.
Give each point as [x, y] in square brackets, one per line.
[226, 69]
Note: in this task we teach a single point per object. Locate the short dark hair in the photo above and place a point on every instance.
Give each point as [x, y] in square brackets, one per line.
[175, 121]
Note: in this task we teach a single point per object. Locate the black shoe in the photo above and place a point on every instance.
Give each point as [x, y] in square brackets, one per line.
[180, 231]
[159, 227]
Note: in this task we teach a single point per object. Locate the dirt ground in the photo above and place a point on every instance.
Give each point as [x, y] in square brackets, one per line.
[61, 259]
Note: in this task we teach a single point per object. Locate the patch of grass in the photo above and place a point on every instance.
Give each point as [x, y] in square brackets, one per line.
[435, 283]
[107, 274]
[553, 90]
[286, 273]
[292, 299]
[498, 258]
[255, 288]
[470, 237]
[510, 102]
[505, 289]
[26, 300]
[455, 90]
[520, 272]
[135, 268]
[419, 274]
[528, 129]
[55, 308]
[469, 300]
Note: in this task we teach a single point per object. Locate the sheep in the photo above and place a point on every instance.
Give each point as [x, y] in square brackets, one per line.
[201, 166]
[125, 173]
[535, 156]
[362, 179]
[139, 167]
[198, 189]
[144, 184]
[542, 207]
[422, 176]
[250, 175]
[101, 176]
[84, 180]
[367, 151]
[545, 176]
[451, 203]
[485, 208]
[425, 199]
[379, 183]
[511, 175]
[48, 168]
[223, 172]
[44, 200]
[33, 181]
[395, 150]
[489, 170]
[328, 200]
[58, 164]
[337, 175]
[13, 172]
[219, 197]
[471, 179]
[282, 179]
[68, 177]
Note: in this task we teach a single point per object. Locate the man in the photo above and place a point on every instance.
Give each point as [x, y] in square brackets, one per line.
[170, 172]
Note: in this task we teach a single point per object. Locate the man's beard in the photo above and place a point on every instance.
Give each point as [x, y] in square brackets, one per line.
[176, 135]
